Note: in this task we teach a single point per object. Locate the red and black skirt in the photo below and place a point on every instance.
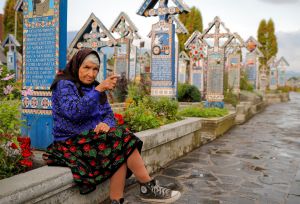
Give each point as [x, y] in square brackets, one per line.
[93, 158]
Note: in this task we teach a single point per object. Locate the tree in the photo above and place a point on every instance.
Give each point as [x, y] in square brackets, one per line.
[9, 21]
[1, 27]
[267, 38]
[272, 44]
[192, 21]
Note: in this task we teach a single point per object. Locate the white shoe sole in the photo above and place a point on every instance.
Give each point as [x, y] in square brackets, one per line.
[169, 200]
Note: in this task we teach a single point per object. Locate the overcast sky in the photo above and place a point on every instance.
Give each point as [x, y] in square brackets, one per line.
[242, 16]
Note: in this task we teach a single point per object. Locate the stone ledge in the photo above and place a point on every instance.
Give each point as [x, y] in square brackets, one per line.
[162, 145]
[216, 127]
[155, 137]
[273, 98]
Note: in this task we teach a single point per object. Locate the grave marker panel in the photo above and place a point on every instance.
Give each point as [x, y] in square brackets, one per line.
[215, 77]
[44, 53]
[234, 73]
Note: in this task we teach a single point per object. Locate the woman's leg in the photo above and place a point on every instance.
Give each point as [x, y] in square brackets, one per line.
[136, 164]
[117, 183]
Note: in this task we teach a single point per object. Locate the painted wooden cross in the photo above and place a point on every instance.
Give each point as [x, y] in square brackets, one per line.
[252, 61]
[217, 35]
[163, 48]
[92, 35]
[216, 61]
[127, 32]
[12, 43]
[163, 11]
[93, 39]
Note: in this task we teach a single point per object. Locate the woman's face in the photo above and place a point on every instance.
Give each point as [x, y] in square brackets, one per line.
[88, 72]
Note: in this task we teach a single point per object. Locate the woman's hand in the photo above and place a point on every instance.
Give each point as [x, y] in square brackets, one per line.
[108, 84]
[101, 127]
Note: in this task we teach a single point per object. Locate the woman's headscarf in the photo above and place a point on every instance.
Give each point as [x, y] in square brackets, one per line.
[72, 69]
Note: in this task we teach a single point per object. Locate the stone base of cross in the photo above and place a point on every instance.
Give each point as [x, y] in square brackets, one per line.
[209, 104]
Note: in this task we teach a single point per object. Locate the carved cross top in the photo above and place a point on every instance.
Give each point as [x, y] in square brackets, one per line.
[216, 36]
[123, 29]
[163, 11]
[93, 39]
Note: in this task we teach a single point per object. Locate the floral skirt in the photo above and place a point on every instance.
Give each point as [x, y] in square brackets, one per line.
[92, 157]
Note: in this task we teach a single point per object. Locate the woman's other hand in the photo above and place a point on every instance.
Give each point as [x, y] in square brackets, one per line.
[101, 127]
[108, 84]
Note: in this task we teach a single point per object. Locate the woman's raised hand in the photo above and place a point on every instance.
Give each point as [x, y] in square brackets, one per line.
[108, 84]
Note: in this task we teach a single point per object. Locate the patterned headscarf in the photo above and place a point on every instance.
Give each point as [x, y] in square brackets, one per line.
[72, 69]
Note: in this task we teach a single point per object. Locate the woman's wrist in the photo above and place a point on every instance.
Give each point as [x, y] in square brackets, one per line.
[100, 89]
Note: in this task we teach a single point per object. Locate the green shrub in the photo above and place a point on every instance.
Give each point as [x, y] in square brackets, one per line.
[284, 89]
[10, 117]
[140, 118]
[203, 112]
[188, 93]
[162, 107]
[231, 98]
[244, 83]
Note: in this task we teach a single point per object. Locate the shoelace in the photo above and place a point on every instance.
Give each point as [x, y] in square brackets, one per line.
[161, 191]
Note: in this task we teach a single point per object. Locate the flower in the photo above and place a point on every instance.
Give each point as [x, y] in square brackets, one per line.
[93, 163]
[102, 146]
[25, 146]
[67, 155]
[69, 142]
[112, 129]
[13, 146]
[119, 118]
[26, 153]
[81, 141]
[8, 89]
[73, 149]
[26, 163]
[126, 139]
[118, 158]
[86, 147]
[116, 144]
[64, 149]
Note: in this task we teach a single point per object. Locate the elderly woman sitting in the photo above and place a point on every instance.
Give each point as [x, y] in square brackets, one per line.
[86, 139]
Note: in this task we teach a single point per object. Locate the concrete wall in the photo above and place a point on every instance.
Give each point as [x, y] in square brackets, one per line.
[273, 98]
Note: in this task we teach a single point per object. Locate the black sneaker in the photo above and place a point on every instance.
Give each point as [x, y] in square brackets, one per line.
[153, 192]
[121, 201]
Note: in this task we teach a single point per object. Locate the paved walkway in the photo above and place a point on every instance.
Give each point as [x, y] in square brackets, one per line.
[255, 163]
